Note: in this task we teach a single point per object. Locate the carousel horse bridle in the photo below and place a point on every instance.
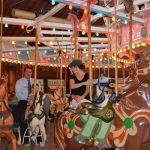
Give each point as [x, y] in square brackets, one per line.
[33, 114]
[102, 86]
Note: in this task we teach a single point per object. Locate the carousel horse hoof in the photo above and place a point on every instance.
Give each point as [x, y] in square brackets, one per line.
[27, 144]
[42, 144]
[19, 142]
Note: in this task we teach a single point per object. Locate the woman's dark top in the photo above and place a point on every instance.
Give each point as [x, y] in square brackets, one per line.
[80, 90]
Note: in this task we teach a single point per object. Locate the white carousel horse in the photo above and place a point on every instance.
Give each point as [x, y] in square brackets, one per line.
[36, 119]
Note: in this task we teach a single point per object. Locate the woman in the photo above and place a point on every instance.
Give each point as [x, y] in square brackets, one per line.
[79, 81]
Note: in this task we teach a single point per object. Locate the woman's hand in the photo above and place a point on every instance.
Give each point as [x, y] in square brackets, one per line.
[80, 98]
[89, 82]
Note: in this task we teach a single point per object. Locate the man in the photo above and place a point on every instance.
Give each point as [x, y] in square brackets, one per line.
[23, 89]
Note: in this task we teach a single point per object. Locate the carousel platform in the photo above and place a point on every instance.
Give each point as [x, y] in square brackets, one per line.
[48, 146]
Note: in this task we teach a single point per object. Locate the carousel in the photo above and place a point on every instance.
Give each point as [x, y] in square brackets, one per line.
[111, 38]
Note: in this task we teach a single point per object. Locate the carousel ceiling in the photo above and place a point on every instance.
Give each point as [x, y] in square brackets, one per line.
[55, 19]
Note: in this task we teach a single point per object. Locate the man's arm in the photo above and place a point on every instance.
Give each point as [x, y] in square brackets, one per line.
[18, 89]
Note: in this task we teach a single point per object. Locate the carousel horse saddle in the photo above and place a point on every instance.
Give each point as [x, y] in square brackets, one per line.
[106, 114]
[33, 115]
[4, 115]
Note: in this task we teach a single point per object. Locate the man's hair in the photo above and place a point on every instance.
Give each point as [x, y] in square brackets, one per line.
[28, 67]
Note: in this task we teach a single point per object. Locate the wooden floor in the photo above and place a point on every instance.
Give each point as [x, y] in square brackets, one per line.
[49, 143]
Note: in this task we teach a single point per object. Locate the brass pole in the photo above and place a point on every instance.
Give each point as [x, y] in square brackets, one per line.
[36, 56]
[61, 71]
[108, 47]
[116, 46]
[130, 26]
[1, 37]
[89, 45]
[75, 39]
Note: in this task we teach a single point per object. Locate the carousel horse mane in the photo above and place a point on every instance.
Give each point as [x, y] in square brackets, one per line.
[38, 98]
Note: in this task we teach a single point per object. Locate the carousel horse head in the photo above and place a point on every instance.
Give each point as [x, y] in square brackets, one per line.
[38, 102]
[3, 87]
[101, 90]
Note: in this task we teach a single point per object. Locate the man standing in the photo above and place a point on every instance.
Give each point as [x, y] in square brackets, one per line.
[23, 89]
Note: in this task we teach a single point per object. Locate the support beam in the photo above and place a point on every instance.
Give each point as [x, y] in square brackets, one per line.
[25, 22]
[56, 9]
[56, 32]
[80, 39]
[101, 47]
[97, 9]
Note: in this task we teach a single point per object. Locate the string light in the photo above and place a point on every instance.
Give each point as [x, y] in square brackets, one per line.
[51, 42]
[85, 11]
[13, 42]
[100, 14]
[54, 29]
[83, 32]
[97, 34]
[125, 21]
[53, 2]
[27, 52]
[70, 7]
[45, 51]
[22, 26]
[113, 18]
[26, 42]
[69, 31]
[6, 25]
[143, 44]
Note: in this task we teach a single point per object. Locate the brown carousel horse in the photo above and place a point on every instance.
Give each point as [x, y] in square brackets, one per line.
[6, 117]
[129, 130]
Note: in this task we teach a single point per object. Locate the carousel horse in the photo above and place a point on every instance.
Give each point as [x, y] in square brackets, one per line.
[6, 117]
[128, 129]
[58, 103]
[36, 118]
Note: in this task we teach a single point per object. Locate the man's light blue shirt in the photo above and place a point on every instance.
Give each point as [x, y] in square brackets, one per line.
[22, 88]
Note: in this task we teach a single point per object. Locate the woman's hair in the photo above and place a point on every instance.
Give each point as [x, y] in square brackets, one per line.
[77, 62]
[82, 67]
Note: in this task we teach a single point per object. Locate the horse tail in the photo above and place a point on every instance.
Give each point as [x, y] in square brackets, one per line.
[59, 133]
